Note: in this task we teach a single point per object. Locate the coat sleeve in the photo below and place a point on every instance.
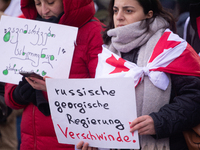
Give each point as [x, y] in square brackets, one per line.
[87, 47]
[95, 43]
[9, 88]
[183, 112]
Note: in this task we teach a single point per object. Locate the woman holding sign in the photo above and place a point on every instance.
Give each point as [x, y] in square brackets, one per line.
[37, 129]
[142, 32]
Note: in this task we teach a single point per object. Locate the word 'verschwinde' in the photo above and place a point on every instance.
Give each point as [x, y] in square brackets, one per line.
[99, 137]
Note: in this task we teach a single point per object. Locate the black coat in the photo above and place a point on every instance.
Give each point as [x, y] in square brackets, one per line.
[182, 113]
[193, 38]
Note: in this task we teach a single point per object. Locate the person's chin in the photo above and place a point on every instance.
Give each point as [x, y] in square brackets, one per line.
[46, 17]
[120, 25]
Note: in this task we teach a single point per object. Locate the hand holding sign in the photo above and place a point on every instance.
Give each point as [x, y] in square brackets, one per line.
[144, 125]
[85, 146]
[37, 84]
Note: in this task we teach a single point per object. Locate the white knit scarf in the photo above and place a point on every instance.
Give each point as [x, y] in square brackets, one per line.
[131, 36]
[148, 97]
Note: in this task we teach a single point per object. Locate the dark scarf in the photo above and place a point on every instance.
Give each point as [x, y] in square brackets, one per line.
[52, 19]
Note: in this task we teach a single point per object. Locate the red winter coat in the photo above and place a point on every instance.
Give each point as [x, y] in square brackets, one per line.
[37, 131]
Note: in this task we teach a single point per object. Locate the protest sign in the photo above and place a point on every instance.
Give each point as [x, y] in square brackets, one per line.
[36, 46]
[97, 111]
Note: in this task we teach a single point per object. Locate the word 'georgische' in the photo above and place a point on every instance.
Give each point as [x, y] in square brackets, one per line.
[80, 106]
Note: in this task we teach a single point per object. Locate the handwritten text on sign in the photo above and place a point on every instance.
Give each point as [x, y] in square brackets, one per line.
[28, 45]
[97, 111]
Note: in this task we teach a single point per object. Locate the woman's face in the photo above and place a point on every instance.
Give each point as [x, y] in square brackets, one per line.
[49, 8]
[127, 12]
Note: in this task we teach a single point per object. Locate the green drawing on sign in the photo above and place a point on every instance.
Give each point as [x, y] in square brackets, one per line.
[6, 37]
[49, 34]
[5, 72]
[43, 55]
[23, 53]
[52, 57]
[25, 31]
[43, 73]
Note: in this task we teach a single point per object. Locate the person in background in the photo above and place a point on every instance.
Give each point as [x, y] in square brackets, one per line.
[37, 130]
[13, 9]
[10, 8]
[137, 28]
[10, 122]
[8, 131]
[3, 5]
[183, 14]
[192, 26]
[101, 11]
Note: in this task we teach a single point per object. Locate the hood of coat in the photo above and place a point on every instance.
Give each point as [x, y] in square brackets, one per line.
[76, 12]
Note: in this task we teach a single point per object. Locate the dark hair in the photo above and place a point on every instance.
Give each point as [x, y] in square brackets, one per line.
[6, 1]
[147, 5]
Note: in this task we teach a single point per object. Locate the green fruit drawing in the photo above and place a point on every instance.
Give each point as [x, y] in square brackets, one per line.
[5, 72]
[43, 73]
[6, 37]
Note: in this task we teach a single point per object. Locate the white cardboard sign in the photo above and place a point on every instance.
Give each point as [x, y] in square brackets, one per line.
[41, 47]
[97, 111]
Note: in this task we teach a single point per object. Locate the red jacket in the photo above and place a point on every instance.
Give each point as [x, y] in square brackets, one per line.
[37, 131]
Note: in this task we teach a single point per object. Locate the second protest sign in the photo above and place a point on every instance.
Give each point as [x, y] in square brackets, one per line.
[97, 111]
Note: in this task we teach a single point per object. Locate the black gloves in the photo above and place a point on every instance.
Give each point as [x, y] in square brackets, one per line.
[24, 93]
[42, 103]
